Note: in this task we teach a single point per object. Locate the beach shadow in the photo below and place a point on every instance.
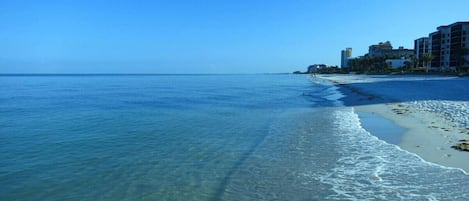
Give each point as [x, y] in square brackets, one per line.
[405, 90]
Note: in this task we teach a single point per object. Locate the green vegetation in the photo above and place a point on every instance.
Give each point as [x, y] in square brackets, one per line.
[367, 64]
[425, 60]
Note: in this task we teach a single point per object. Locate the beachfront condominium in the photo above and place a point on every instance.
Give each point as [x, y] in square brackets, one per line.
[421, 47]
[449, 46]
[384, 49]
[380, 49]
[345, 56]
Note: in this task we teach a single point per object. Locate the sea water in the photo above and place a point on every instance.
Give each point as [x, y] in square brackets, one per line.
[199, 137]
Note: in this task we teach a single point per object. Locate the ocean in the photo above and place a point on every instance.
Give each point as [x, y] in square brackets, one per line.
[200, 137]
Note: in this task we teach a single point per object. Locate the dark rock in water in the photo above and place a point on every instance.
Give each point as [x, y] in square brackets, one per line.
[400, 111]
[464, 146]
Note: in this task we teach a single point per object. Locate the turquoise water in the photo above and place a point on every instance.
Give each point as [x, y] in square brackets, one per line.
[199, 137]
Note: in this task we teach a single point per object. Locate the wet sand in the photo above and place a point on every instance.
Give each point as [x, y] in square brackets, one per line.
[427, 134]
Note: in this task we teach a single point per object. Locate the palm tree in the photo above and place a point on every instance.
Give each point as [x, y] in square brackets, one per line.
[425, 59]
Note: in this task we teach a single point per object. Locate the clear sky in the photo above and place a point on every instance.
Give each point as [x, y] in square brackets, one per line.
[237, 36]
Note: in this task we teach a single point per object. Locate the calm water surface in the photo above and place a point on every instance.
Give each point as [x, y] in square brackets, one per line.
[195, 137]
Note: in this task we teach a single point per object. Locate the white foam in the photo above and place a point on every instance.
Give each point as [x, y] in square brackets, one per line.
[331, 93]
[370, 168]
[455, 111]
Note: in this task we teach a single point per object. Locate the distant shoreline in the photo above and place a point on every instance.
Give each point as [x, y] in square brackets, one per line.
[398, 73]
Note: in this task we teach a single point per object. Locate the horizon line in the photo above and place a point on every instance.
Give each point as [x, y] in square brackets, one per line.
[132, 74]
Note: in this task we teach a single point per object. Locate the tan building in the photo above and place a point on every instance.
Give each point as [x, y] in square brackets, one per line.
[345, 57]
[384, 49]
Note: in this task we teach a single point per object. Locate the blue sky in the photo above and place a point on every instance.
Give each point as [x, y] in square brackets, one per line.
[264, 36]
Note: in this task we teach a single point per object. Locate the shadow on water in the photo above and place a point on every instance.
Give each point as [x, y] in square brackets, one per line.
[226, 180]
[406, 90]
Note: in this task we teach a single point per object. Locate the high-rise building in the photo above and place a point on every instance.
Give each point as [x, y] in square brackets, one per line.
[421, 47]
[440, 47]
[448, 46]
[380, 49]
[384, 49]
[345, 56]
[459, 44]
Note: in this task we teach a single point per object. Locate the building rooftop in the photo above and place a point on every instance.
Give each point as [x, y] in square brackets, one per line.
[461, 22]
[453, 24]
[422, 38]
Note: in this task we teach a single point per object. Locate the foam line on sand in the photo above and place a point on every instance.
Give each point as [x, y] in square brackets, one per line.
[428, 133]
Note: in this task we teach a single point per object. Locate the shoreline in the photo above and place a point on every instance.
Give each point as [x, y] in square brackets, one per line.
[427, 134]
[380, 126]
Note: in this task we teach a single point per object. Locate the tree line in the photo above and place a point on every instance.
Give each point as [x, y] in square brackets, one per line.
[368, 64]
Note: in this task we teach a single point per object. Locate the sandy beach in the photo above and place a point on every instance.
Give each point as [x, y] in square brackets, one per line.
[432, 110]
